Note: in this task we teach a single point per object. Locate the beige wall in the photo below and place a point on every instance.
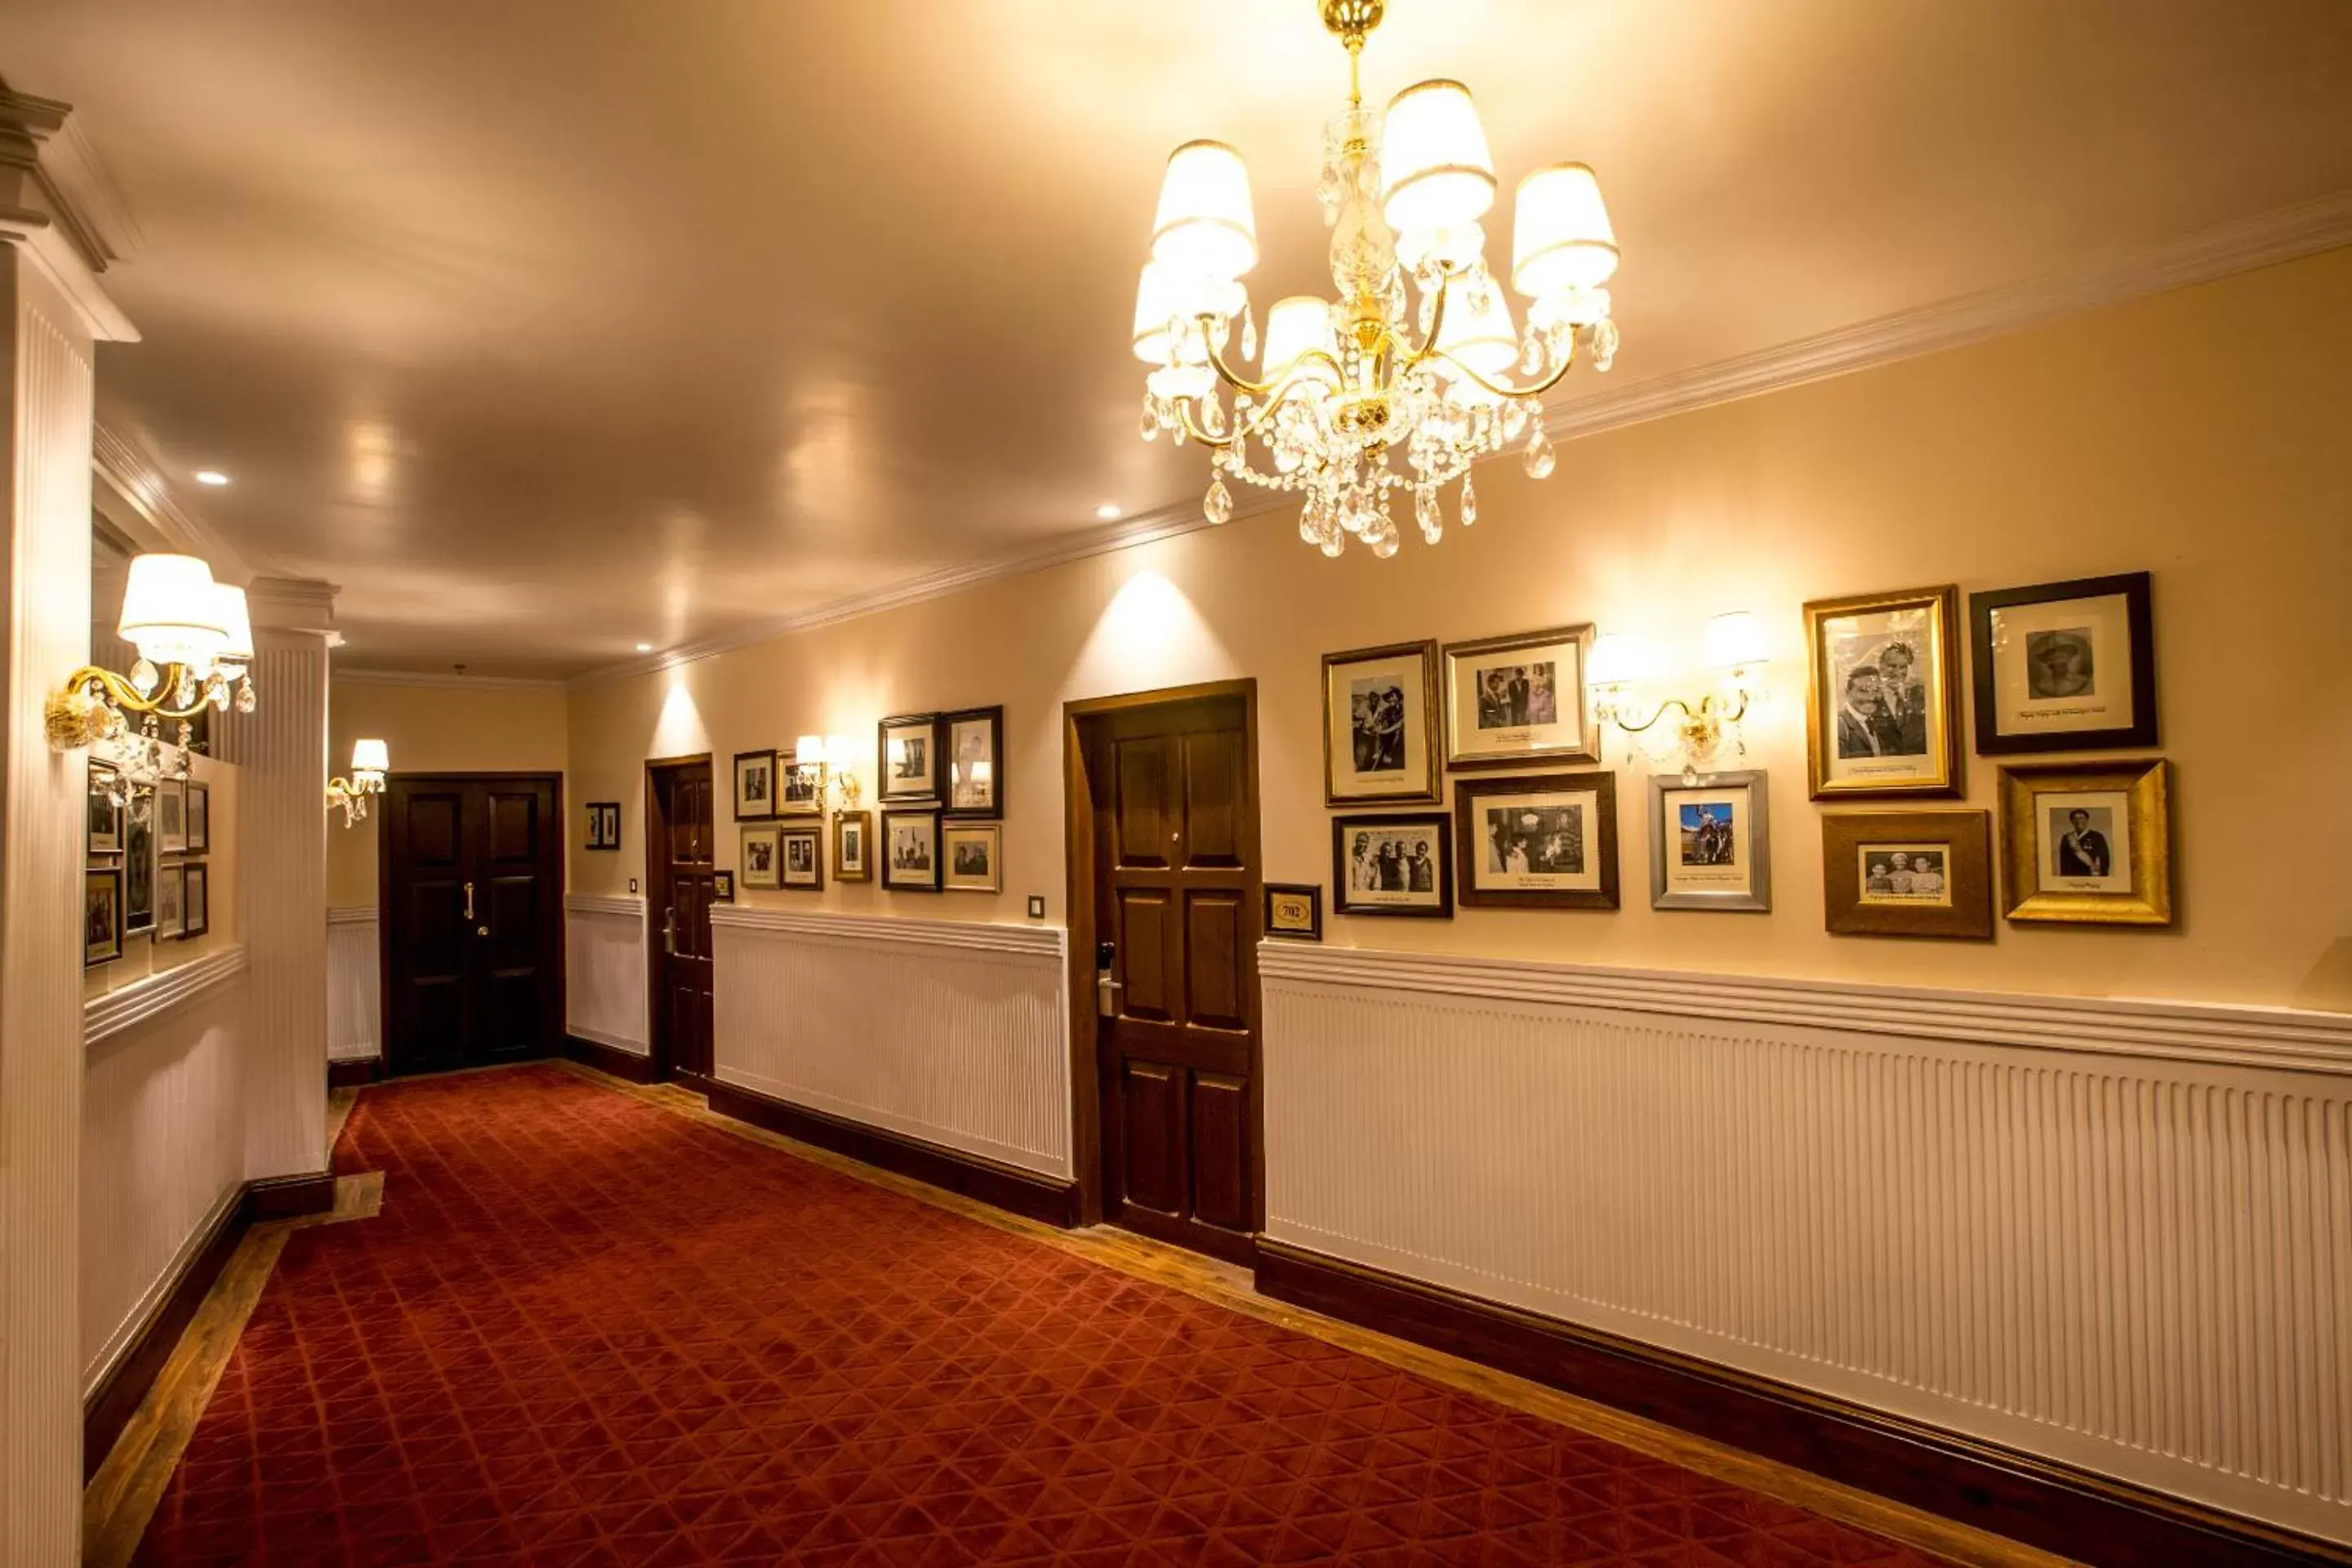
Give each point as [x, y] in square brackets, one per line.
[448, 728]
[2198, 435]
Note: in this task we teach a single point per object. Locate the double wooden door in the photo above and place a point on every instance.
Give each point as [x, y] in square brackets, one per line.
[680, 857]
[472, 897]
[1173, 797]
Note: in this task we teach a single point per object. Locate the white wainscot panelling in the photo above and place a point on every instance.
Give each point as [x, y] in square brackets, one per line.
[2114, 1234]
[354, 985]
[947, 1031]
[604, 965]
[162, 1151]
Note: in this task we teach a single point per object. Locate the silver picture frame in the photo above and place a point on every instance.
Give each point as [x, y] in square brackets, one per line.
[1694, 888]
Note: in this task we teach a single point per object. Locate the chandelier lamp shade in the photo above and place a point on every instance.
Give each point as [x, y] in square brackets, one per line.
[194, 639]
[1394, 388]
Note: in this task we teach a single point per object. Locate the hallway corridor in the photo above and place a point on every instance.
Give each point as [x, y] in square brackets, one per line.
[589, 1329]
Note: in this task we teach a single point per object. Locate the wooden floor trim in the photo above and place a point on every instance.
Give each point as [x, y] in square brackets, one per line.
[354, 1073]
[610, 1060]
[109, 1406]
[2003, 1492]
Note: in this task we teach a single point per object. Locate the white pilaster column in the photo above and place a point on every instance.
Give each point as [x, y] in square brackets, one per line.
[52, 311]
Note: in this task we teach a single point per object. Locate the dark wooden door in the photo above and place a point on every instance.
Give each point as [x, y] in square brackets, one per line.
[1176, 898]
[681, 862]
[471, 891]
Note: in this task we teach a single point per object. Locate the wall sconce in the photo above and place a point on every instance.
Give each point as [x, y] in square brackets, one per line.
[834, 768]
[1733, 648]
[194, 639]
[371, 759]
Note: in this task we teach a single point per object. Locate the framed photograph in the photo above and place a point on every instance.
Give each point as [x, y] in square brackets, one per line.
[1294, 910]
[1393, 865]
[911, 757]
[1544, 842]
[172, 817]
[102, 835]
[755, 785]
[1907, 873]
[1883, 698]
[196, 900]
[911, 851]
[1518, 699]
[1380, 726]
[603, 825]
[853, 840]
[760, 850]
[612, 809]
[800, 787]
[1710, 843]
[2064, 667]
[102, 915]
[2087, 843]
[139, 865]
[200, 819]
[974, 739]
[722, 887]
[804, 853]
[974, 854]
[171, 901]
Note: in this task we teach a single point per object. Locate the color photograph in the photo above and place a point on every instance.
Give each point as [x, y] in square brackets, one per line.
[1710, 843]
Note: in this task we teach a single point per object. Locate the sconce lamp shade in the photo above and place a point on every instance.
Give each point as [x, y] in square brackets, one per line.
[1618, 659]
[1734, 639]
[170, 612]
[1561, 239]
[371, 757]
[1435, 170]
[1206, 225]
[808, 749]
[1295, 327]
[841, 754]
[236, 625]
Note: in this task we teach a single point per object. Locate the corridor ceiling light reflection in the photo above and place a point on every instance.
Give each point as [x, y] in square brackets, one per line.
[211, 477]
[1108, 511]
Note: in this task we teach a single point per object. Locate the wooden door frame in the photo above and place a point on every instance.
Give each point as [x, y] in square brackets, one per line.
[1078, 805]
[383, 815]
[657, 831]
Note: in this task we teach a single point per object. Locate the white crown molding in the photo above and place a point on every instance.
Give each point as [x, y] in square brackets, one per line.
[103, 1018]
[352, 915]
[126, 469]
[1033, 942]
[2174, 1031]
[57, 206]
[293, 604]
[448, 682]
[2278, 236]
[627, 905]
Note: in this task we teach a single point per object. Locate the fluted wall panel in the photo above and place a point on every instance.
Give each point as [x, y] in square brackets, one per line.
[354, 986]
[604, 970]
[2139, 1261]
[949, 1032]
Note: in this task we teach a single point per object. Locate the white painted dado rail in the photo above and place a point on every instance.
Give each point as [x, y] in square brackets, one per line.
[2116, 1233]
[118, 1012]
[950, 1032]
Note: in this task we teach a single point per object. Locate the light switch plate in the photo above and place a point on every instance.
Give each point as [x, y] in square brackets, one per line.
[632, 884]
[1036, 907]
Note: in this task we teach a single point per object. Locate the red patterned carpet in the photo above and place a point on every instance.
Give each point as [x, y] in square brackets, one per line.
[587, 1331]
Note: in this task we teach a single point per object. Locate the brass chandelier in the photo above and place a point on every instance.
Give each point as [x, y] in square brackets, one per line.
[1351, 405]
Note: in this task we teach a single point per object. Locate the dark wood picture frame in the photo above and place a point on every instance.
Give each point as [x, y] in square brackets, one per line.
[1438, 824]
[735, 784]
[993, 810]
[141, 866]
[1312, 893]
[2136, 589]
[885, 789]
[898, 884]
[1821, 707]
[748, 843]
[722, 887]
[1601, 840]
[95, 952]
[800, 787]
[102, 822]
[199, 818]
[1588, 746]
[813, 835]
[603, 825]
[1430, 790]
[1966, 838]
[864, 870]
[196, 899]
[2147, 784]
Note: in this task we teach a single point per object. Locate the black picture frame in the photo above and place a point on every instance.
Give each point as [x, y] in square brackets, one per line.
[196, 899]
[199, 818]
[1601, 783]
[101, 895]
[2136, 590]
[992, 808]
[905, 881]
[603, 825]
[813, 835]
[907, 727]
[141, 866]
[774, 785]
[103, 826]
[722, 887]
[1439, 825]
[1311, 894]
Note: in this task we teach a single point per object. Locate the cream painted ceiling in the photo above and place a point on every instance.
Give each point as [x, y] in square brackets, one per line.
[548, 326]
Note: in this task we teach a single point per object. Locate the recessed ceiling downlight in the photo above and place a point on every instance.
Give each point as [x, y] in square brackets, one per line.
[211, 477]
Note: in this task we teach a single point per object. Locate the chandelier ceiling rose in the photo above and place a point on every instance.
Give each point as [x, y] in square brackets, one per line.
[1416, 370]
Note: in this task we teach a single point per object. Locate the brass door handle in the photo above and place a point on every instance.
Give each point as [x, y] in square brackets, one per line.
[469, 900]
[670, 930]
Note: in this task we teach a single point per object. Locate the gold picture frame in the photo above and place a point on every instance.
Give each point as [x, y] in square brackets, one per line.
[853, 847]
[1868, 860]
[1877, 726]
[1503, 711]
[2066, 857]
[1358, 766]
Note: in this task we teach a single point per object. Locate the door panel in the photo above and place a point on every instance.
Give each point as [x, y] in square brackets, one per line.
[1173, 797]
[681, 799]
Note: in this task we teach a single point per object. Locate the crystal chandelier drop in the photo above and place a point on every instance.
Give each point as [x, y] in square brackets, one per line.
[1391, 388]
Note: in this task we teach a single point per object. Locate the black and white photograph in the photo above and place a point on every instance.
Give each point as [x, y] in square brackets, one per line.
[171, 901]
[760, 850]
[2088, 843]
[1517, 700]
[803, 857]
[1908, 874]
[1710, 843]
[172, 817]
[910, 850]
[975, 743]
[1894, 874]
[1884, 702]
[2065, 665]
[852, 831]
[910, 761]
[2083, 849]
[102, 835]
[755, 785]
[102, 915]
[200, 819]
[603, 825]
[139, 864]
[196, 900]
[1393, 866]
[972, 853]
[1549, 841]
[800, 787]
[1379, 724]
